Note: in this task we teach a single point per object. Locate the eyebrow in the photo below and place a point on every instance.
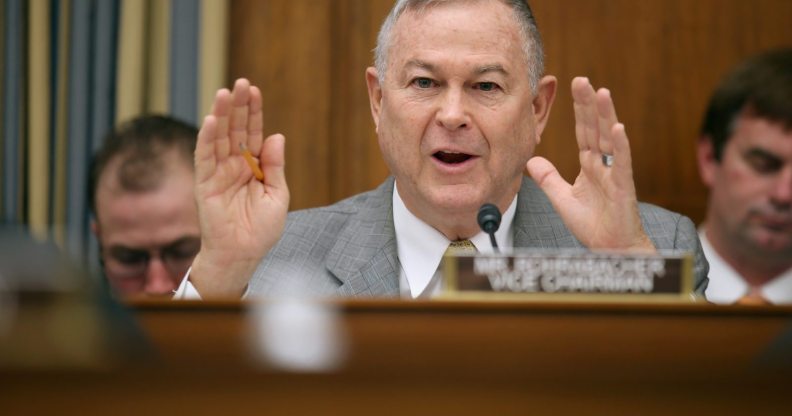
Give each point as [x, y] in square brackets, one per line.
[179, 241]
[774, 162]
[420, 64]
[759, 152]
[491, 68]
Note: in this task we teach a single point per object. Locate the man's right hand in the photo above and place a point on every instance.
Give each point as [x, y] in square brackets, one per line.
[241, 218]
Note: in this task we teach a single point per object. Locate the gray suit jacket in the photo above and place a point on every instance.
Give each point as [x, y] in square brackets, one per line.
[349, 248]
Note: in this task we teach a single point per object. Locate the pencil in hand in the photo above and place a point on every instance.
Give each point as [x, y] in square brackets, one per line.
[252, 163]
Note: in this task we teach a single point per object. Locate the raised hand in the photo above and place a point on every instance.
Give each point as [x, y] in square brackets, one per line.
[241, 217]
[600, 208]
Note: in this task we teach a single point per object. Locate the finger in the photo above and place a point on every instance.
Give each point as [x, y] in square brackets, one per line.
[221, 111]
[273, 162]
[622, 156]
[255, 121]
[205, 160]
[586, 128]
[238, 123]
[606, 113]
[549, 180]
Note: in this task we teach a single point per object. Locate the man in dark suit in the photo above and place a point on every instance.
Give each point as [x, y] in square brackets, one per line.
[459, 102]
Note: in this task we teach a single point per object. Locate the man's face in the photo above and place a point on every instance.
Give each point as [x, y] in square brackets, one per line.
[751, 189]
[455, 114]
[148, 239]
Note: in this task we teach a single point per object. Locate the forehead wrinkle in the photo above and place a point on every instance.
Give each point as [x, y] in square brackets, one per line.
[526, 40]
[479, 70]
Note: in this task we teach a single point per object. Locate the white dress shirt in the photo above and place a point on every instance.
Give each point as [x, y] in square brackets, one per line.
[726, 286]
[186, 290]
[421, 248]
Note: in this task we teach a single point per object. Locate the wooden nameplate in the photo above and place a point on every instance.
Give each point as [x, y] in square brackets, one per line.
[570, 275]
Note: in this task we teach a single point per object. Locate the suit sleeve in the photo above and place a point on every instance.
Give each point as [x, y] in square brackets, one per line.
[687, 239]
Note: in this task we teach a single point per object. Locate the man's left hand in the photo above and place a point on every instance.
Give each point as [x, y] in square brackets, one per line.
[600, 208]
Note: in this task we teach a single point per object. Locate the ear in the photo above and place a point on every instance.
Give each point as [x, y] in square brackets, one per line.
[95, 228]
[705, 155]
[375, 94]
[543, 101]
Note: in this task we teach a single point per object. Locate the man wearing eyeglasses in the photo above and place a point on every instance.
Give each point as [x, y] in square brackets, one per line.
[142, 197]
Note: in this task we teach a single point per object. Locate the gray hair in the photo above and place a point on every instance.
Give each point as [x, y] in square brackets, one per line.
[532, 46]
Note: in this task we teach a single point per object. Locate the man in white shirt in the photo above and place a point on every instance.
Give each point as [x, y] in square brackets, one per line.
[459, 102]
[745, 158]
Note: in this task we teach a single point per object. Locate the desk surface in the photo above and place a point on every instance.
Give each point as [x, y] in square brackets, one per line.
[448, 356]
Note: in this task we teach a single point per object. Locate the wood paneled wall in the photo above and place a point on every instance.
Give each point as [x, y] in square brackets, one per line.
[660, 58]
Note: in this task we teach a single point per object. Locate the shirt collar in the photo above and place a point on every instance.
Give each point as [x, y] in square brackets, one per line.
[421, 246]
[727, 286]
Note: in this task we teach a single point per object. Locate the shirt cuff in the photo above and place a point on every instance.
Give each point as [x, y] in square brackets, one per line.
[186, 290]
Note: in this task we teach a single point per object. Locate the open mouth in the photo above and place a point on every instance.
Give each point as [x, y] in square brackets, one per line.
[452, 158]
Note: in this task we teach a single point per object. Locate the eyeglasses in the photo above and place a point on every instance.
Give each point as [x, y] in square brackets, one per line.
[121, 261]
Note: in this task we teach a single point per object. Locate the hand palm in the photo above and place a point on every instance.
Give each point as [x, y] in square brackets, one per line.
[241, 217]
[600, 208]
[239, 213]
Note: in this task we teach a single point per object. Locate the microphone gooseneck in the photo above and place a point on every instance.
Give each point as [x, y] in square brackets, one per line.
[489, 219]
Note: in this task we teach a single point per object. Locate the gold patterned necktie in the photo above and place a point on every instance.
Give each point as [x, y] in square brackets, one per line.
[461, 247]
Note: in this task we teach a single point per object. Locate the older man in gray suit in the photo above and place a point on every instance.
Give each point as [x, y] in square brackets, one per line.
[459, 102]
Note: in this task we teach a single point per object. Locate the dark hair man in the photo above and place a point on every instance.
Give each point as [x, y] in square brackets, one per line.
[142, 196]
[745, 158]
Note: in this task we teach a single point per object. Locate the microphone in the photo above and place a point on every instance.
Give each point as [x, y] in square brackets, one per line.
[489, 218]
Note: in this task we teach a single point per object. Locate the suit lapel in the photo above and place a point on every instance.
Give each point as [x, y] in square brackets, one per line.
[536, 223]
[364, 257]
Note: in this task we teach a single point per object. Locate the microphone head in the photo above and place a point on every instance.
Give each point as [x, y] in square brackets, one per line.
[489, 218]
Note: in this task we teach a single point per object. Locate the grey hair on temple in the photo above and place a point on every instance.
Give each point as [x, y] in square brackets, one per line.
[532, 40]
